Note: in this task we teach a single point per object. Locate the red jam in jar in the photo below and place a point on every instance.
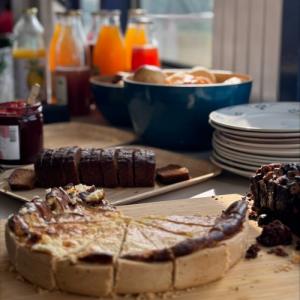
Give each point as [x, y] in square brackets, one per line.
[21, 132]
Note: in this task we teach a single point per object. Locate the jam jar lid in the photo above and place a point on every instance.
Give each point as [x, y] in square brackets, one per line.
[18, 109]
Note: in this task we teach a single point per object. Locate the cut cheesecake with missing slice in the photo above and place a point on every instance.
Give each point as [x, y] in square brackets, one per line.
[74, 241]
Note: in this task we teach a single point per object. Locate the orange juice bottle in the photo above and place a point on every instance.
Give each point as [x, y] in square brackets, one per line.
[29, 55]
[109, 51]
[52, 51]
[53, 41]
[136, 34]
[68, 50]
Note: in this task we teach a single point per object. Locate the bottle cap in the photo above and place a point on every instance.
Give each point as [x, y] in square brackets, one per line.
[136, 12]
[31, 11]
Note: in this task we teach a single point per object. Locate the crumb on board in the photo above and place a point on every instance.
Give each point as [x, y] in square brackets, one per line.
[279, 251]
[252, 251]
[283, 268]
[295, 258]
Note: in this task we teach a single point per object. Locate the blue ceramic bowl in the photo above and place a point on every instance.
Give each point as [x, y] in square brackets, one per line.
[110, 100]
[176, 116]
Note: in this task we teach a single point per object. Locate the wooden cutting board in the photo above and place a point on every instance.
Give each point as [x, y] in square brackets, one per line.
[200, 170]
[267, 277]
[84, 135]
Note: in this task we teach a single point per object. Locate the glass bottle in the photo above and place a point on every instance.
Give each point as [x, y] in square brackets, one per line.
[80, 32]
[135, 34]
[145, 54]
[93, 33]
[52, 51]
[6, 69]
[29, 55]
[72, 71]
[109, 51]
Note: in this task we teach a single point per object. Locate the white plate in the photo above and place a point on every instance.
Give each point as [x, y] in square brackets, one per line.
[253, 157]
[262, 144]
[260, 117]
[244, 133]
[260, 140]
[295, 153]
[229, 162]
[249, 162]
[231, 169]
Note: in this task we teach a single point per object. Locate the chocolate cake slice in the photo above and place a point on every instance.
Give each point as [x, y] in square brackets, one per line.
[70, 164]
[172, 174]
[144, 167]
[124, 157]
[109, 168]
[45, 168]
[38, 166]
[90, 167]
[275, 190]
[58, 177]
[22, 179]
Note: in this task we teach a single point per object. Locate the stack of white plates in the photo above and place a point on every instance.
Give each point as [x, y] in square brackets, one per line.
[248, 136]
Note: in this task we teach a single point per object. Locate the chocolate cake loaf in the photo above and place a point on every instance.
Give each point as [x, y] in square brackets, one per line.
[112, 167]
[275, 190]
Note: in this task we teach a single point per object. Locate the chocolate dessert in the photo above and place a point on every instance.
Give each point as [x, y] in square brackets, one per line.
[172, 174]
[144, 167]
[124, 159]
[109, 167]
[274, 234]
[90, 167]
[275, 191]
[112, 167]
[22, 179]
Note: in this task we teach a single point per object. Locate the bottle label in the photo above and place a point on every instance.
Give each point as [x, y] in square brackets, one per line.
[6, 75]
[61, 90]
[9, 142]
[27, 73]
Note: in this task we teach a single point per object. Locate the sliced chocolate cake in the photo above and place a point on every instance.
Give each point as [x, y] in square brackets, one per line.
[70, 165]
[43, 167]
[112, 167]
[109, 167]
[57, 169]
[275, 191]
[90, 167]
[124, 159]
[144, 167]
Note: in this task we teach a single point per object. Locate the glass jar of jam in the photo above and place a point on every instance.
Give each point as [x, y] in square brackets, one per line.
[21, 132]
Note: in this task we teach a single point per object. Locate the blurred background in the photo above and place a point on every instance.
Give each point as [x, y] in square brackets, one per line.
[256, 37]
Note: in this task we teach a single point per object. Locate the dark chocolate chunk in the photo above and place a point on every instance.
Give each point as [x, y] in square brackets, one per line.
[252, 251]
[275, 233]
